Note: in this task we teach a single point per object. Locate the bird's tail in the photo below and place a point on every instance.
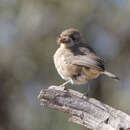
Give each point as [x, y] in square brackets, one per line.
[111, 75]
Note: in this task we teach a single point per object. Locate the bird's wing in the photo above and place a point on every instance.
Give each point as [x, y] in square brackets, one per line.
[88, 58]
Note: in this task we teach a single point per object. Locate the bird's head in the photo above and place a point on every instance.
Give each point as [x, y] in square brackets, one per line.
[69, 37]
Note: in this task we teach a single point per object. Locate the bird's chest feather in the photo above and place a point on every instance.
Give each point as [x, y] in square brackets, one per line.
[63, 65]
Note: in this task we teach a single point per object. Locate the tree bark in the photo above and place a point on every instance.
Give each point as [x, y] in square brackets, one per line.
[85, 111]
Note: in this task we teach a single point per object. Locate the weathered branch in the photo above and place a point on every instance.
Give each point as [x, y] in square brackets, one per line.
[85, 111]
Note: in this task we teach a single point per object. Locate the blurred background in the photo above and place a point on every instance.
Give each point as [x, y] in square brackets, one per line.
[28, 33]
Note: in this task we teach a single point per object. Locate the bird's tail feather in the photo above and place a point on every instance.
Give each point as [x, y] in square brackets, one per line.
[111, 75]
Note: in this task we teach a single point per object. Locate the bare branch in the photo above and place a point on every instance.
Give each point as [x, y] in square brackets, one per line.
[85, 111]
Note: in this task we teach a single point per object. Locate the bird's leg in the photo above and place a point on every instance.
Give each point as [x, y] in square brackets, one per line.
[87, 94]
[63, 85]
[60, 87]
[88, 90]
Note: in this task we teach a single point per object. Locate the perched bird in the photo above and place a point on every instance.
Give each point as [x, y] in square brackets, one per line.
[75, 61]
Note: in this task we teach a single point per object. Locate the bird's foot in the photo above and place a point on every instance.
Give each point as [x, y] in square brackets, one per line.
[63, 85]
[66, 89]
[86, 96]
[61, 88]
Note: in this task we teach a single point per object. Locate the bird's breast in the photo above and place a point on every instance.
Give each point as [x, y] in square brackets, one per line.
[62, 61]
[61, 64]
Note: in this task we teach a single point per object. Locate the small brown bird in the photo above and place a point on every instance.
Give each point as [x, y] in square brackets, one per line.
[75, 61]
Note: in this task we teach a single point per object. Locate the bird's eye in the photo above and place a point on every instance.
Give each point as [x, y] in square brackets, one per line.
[73, 38]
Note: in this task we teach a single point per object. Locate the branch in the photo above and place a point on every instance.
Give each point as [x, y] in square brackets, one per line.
[85, 111]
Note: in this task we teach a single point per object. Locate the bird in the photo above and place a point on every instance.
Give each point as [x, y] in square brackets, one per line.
[75, 61]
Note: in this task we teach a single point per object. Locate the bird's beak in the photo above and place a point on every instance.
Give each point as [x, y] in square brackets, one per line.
[63, 40]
